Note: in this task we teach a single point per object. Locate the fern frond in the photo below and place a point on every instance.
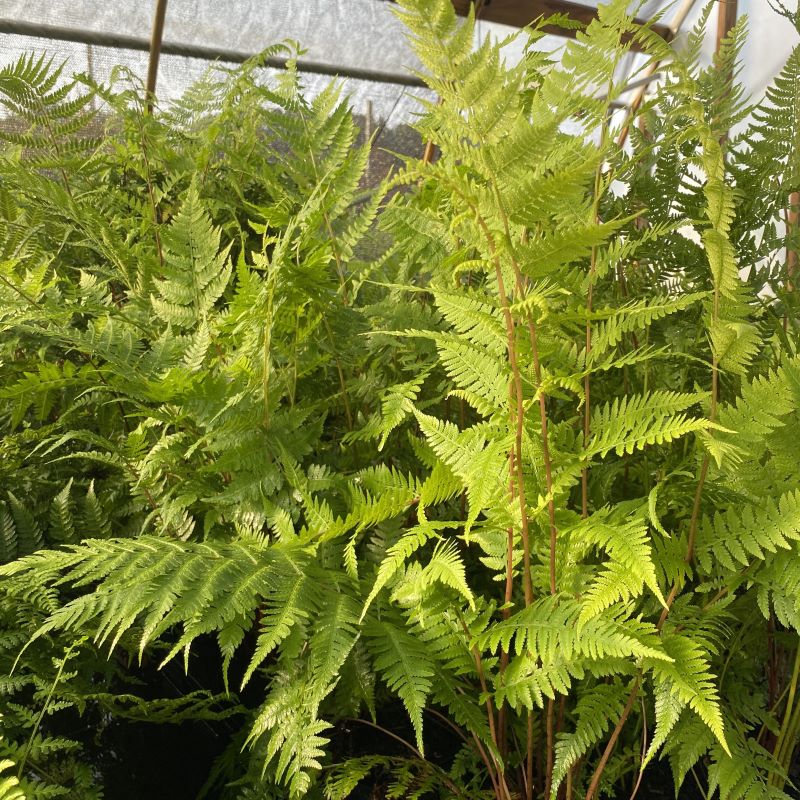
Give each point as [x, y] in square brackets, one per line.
[736, 536]
[196, 270]
[631, 567]
[404, 665]
[595, 714]
[549, 630]
[634, 422]
[688, 676]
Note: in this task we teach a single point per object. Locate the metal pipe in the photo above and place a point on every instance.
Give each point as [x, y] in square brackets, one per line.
[123, 42]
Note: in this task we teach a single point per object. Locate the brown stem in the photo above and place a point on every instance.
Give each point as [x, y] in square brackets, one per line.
[587, 409]
[532, 333]
[489, 706]
[148, 175]
[772, 674]
[475, 740]
[508, 595]
[390, 734]
[448, 782]
[548, 783]
[156, 35]
[328, 226]
[598, 773]
[519, 422]
[792, 225]
[644, 752]
[548, 471]
[529, 759]
[693, 523]
[462, 425]
[345, 398]
[698, 496]
[537, 370]
[598, 178]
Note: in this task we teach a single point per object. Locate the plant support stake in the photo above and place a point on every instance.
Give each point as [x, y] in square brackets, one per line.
[155, 51]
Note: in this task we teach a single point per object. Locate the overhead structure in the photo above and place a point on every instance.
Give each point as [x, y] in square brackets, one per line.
[519, 13]
[359, 41]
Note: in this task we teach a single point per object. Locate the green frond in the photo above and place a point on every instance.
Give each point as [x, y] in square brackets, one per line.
[62, 521]
[445, 567]
[688, 675]
[54, 117]
[95, 519]
[634, 316]
[631, 567]
[743, 773]
[28, 531]
[344, 778]
[9, 784]
[289, 608]
[396, 557]
[474, 318]
[669, 706]
[635, 422]
[481, 378]
[196, 271]
[736, 536]
[332, 638]
[691, 740]
[762, 404]
[154, 584]
[595, 713]
[8, 535]
[403, 663]
[294, 744]
[549, 630]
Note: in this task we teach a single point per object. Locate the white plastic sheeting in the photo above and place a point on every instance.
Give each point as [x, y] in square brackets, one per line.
[348, 33]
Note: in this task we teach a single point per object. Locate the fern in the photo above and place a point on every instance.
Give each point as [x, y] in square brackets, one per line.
[402, 662]
[9, 784]
[737, 537]
[691, 681]
[594, 712]
[503, 442]
[195, 271]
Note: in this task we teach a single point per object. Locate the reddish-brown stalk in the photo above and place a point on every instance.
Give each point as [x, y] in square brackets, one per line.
[519, 281]
[598, 773]
[518, 411]
[518, 419]
[550, 742]
[587, 405]
[532, 334]
[489, 709]
[792, 226]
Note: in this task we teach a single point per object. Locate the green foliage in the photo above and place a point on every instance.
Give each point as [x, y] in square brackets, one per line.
[506, 444]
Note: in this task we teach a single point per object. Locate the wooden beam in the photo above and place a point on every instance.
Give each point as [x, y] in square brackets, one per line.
[726, 19]
[519, 13]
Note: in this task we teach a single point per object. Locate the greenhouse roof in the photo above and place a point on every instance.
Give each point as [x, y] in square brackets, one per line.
[359, 40]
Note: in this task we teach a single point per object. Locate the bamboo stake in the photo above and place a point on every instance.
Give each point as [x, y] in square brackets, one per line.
[156, 37]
